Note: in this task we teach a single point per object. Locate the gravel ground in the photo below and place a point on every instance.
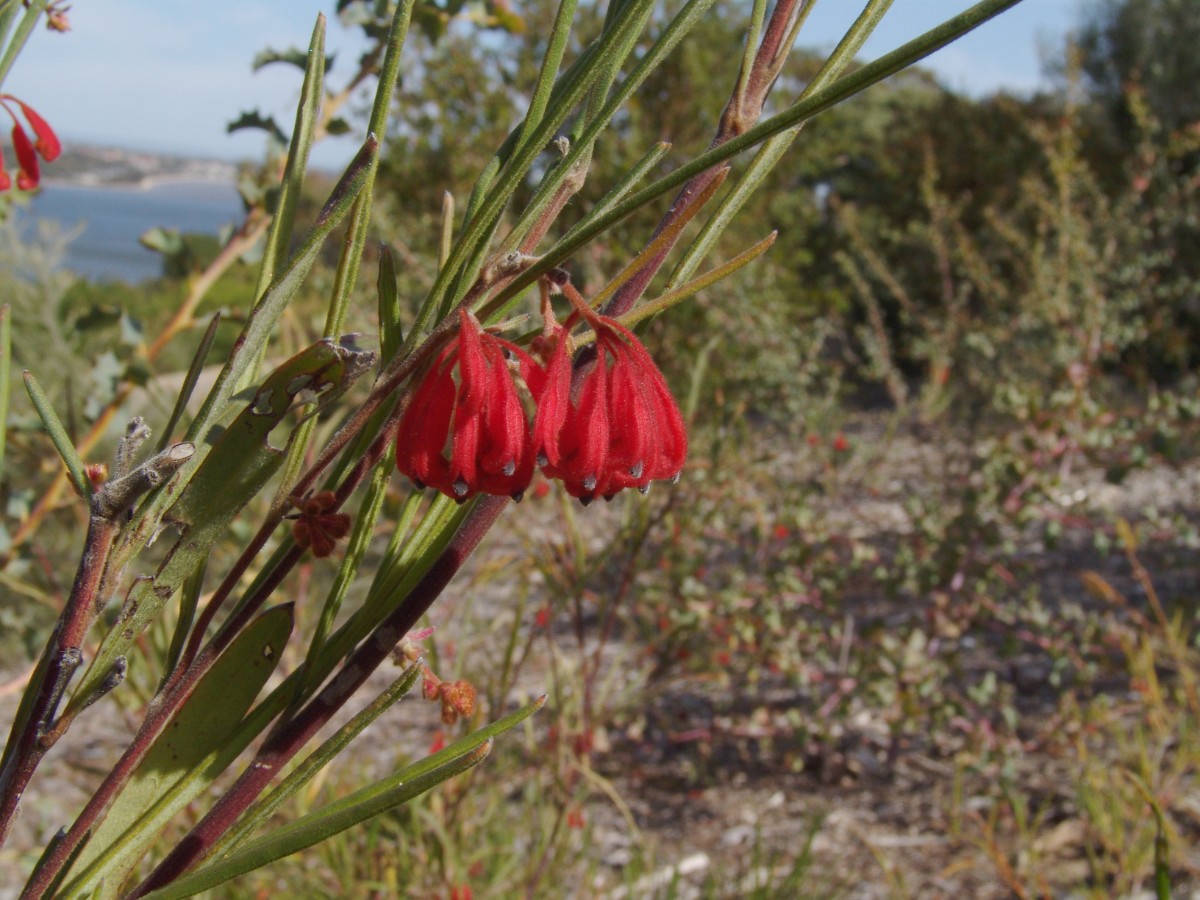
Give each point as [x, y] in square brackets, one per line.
[876, 811]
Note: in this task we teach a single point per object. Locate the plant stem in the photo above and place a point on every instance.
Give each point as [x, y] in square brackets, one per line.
[743, 109]
[61, 658]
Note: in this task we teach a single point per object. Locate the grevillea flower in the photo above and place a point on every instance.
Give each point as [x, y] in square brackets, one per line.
[46, 145]
[619, 427]
[479, 418]
[318, 525]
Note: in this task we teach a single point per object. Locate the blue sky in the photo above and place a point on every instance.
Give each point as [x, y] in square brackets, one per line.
[168, 75]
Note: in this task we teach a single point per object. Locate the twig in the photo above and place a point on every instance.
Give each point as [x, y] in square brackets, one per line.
[34, 729]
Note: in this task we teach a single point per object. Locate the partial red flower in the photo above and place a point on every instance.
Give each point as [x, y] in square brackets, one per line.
[317, 526]
[619, 427]
[46, 145]
[479, 418]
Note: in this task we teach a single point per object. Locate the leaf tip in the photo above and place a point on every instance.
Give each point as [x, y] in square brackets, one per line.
[482, 752]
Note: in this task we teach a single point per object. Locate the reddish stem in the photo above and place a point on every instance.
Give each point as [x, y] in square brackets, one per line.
[743, 109]
[61, 658]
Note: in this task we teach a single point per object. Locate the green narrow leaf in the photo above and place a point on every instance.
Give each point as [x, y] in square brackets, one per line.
[314, 763]
[33, 10]
[1162, 859]
[360, 216]
[58, 436]
[350, 811]
[185, 758]
[241, 463]
[391, 332]
[190, 379]
[774, 148]
[801, 111]
[8, 11]
[556, 47]
[279, 234]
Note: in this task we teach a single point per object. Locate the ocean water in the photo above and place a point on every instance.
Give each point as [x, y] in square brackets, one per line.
[110, 220]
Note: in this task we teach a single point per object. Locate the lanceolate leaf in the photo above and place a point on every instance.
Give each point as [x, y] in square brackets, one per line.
[240, 464]
[184, 760]
[393, 791]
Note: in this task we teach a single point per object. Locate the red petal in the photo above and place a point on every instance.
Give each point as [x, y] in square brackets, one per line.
[505, 455]
[473, 388]
[583, 441]
[336, 525]
[425, 426]
[47, 141]
[632, 421]
[669, 447]
[322, 543]
[302, 533]
[26, 159]
[553, 404]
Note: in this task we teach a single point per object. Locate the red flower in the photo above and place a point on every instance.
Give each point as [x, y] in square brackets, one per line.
[620, 428]
[438, 743]
[317, 526]
[481, 418]
[47, 145]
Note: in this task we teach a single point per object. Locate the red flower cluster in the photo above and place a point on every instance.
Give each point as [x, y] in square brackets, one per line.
[616, 427]
[481, 417]
[46, 146]
[623, 429]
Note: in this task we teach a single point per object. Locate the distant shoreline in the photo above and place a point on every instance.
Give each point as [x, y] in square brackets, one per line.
[145, 183]
[85, 165]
